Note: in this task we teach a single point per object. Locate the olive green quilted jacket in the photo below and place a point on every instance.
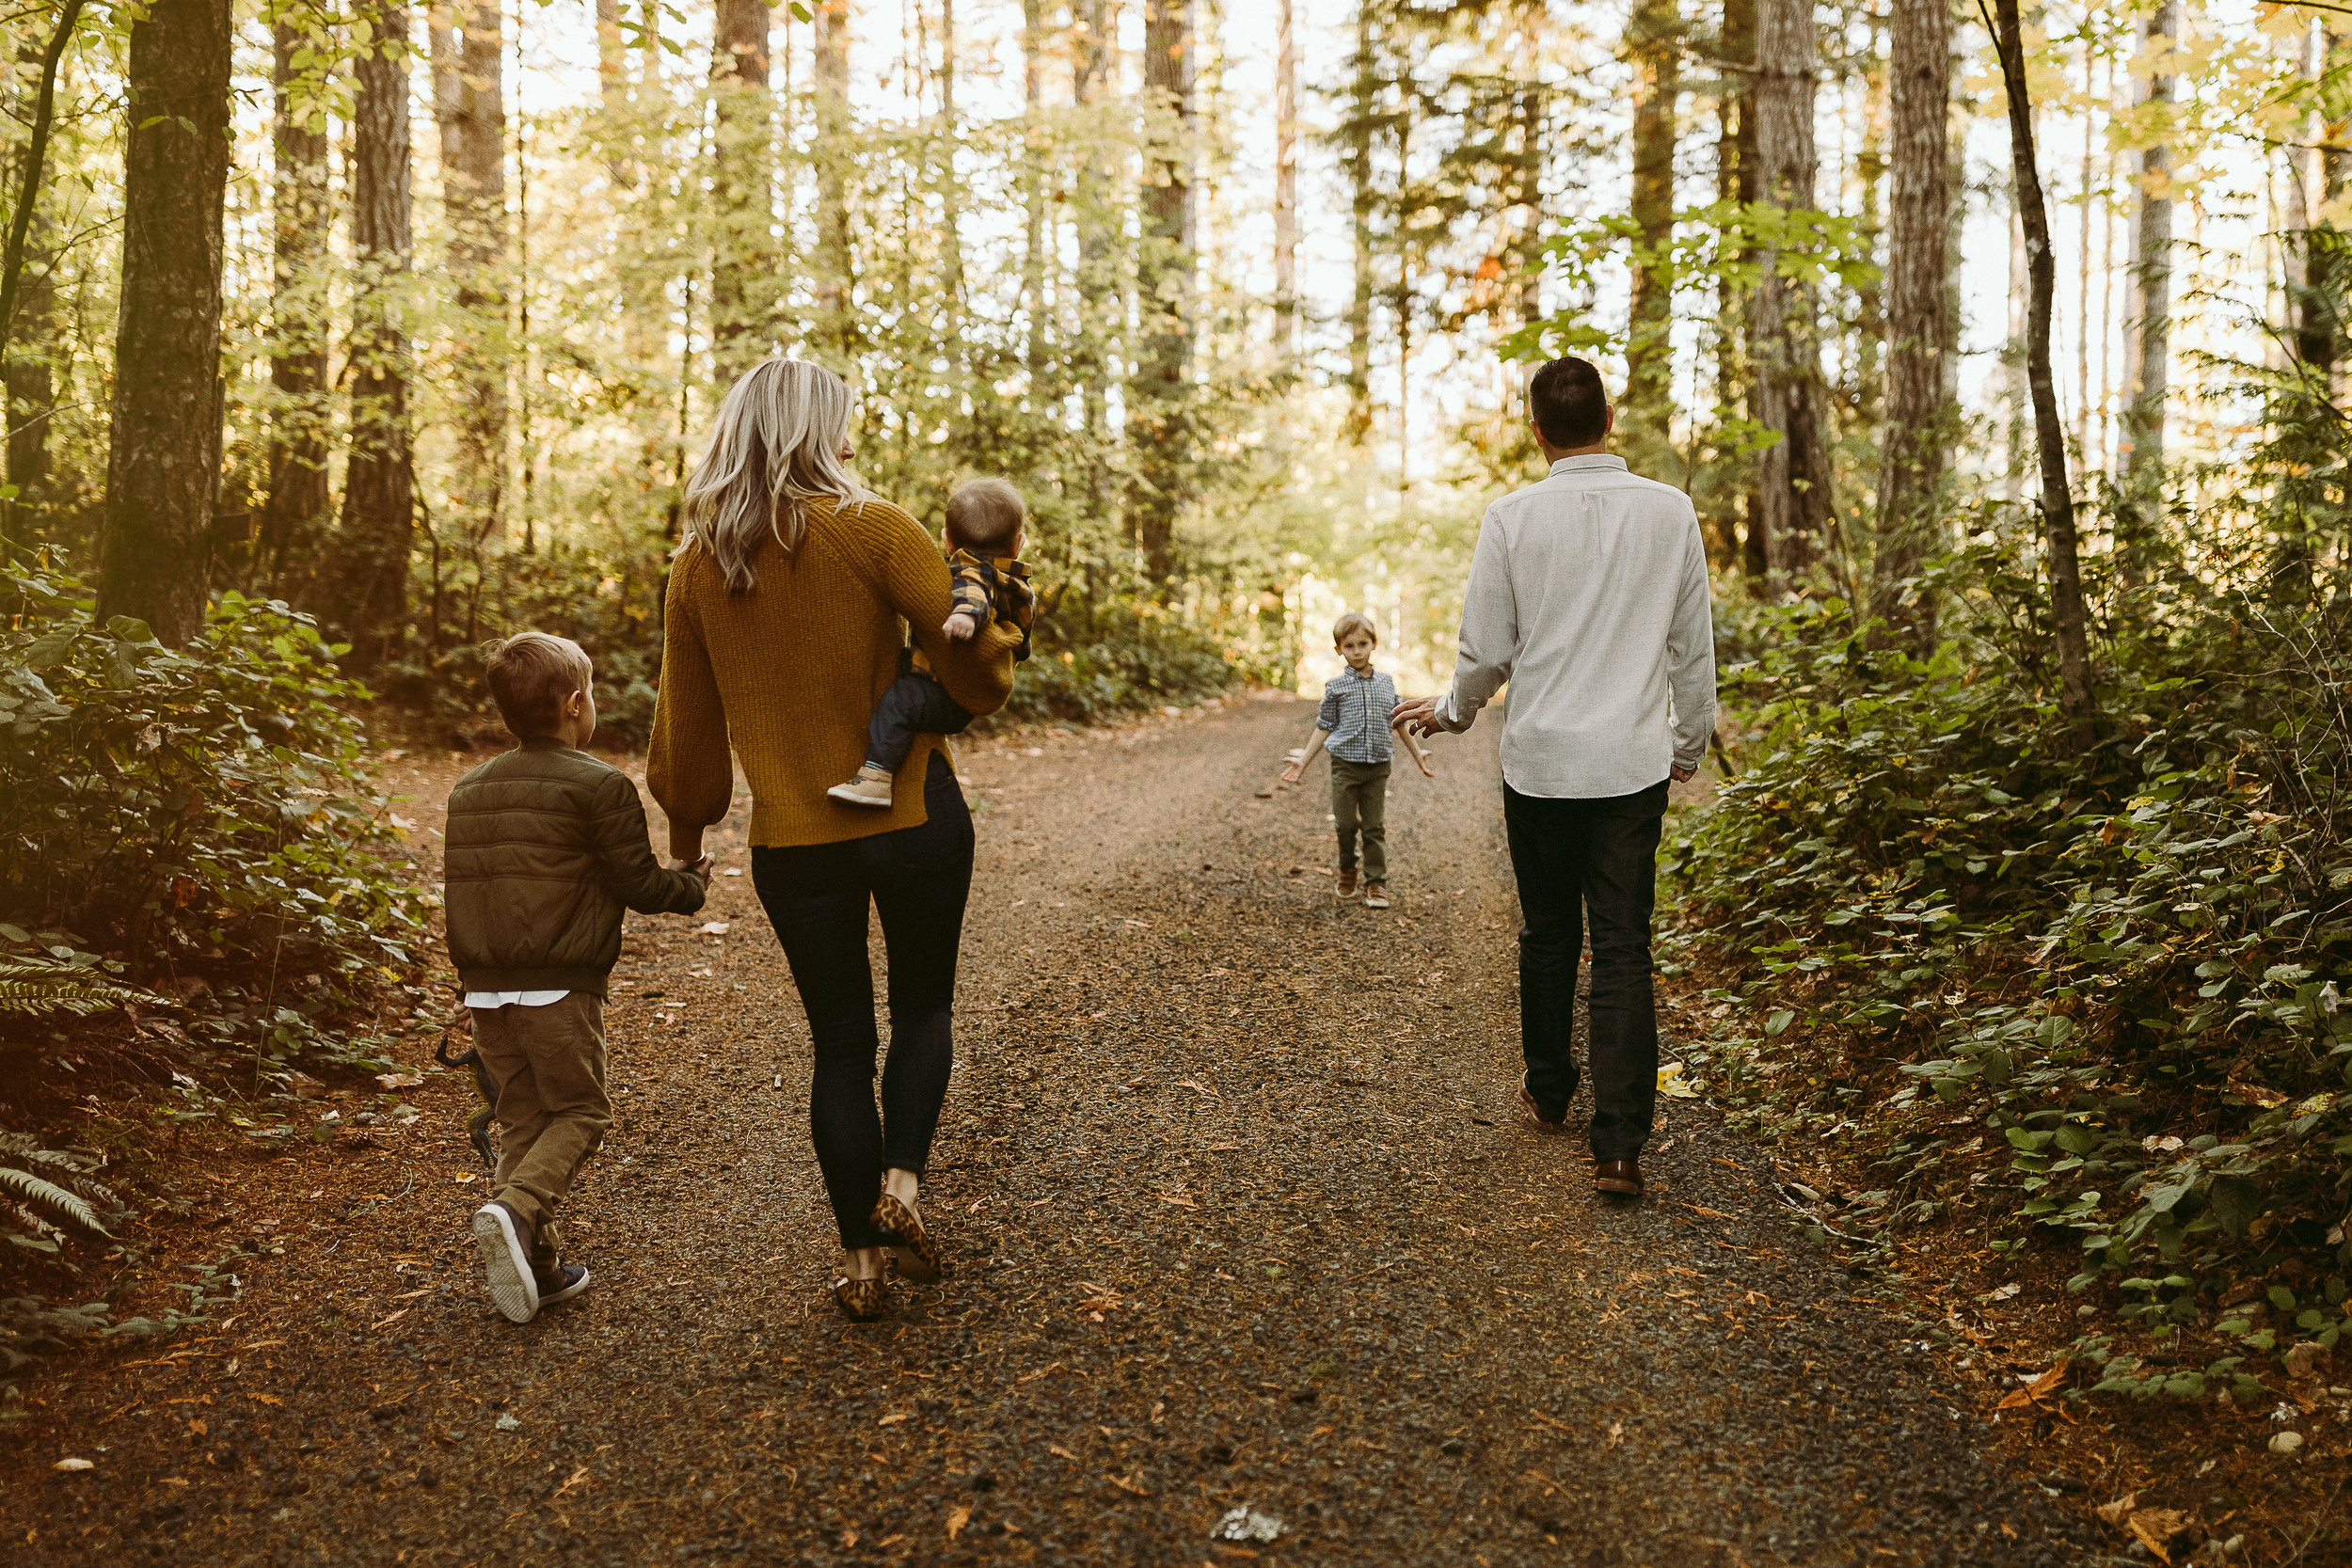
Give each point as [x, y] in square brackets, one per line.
[546, 845]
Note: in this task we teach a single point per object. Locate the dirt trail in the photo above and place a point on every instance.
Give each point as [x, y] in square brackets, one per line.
[1237, 1216]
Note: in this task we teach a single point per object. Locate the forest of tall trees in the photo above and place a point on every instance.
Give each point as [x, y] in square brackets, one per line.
[2002, 351]
[472, 279]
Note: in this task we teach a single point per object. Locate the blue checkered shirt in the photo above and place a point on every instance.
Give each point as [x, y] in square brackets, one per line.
[1355, 710]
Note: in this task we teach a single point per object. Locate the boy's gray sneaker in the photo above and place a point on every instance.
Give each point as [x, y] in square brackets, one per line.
[568, 1281]
[504, 1238]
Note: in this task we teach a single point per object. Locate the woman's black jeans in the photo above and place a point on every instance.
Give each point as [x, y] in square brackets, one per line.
[1573, 858]
[815, 895]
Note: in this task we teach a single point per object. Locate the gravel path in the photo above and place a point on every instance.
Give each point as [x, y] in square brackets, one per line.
[1237, 1217]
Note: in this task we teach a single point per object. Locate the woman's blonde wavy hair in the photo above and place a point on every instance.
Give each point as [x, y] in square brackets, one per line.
[775, 446]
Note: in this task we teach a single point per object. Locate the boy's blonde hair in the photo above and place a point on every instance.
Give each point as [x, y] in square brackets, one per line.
[530, 675]
[1354, 620]
[985, 515]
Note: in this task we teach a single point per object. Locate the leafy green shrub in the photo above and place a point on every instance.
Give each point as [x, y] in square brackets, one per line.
[196, 815]
[1094, 659]
[2123, 955]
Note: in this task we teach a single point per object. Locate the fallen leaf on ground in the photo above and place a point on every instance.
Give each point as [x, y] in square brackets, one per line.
[577, 1476]
[957, 1517]
[1617, 1434]
[1179, 1199]
[1128, 1484]
[1057, 1447]
[265, 1399]
[2116, 1511]
[1032, 1377]
[70, 1465]
[2154, 1527]
[2032, 1392]
[393, 1319]
[714, 927]
[400, 1080]
[1198, 1088]
[894, 1420]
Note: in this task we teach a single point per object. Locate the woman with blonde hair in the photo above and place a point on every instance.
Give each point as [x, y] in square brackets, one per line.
[785, 614]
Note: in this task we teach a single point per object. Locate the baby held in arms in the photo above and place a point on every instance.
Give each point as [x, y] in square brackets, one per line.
[987, 524]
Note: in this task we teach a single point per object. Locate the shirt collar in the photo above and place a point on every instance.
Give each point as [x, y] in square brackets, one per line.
[1596, 462]
[1368, 674]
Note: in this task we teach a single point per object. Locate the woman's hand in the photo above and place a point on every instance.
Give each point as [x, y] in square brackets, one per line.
[1426, 772]
[686, 844]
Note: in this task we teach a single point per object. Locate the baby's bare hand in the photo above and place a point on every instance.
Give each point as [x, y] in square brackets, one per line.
[960, 627]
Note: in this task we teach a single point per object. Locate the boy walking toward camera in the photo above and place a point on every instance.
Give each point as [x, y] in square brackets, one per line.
[1353, 726]
[987, 524]
[546, 845]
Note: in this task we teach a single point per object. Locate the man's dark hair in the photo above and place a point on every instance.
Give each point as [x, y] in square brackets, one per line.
[1568, 403]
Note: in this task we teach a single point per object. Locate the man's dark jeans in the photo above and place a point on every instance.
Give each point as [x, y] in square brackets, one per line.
[915, 703]
[1571, 857]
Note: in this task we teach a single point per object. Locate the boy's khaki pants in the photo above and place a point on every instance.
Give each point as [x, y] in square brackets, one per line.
[549, 1066]
[1359, 803]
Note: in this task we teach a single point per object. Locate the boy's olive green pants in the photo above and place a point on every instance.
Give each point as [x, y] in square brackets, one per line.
[1360, 804]
[549, 1066]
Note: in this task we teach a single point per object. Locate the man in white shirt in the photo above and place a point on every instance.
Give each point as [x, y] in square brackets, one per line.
[1588, 593]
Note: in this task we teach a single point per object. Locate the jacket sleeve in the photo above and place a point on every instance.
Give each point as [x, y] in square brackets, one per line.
[625, 852]
[1691, 656]
[912, 578]
[1488, 642]
[688, 766]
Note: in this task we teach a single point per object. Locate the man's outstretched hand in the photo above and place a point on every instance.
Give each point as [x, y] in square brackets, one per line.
[1420, 715]
[1683, 773]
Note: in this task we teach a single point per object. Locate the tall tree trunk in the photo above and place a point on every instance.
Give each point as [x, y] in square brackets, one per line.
[2058, 502]
[162, 462]
[951, 204]
[611, 56]
[1529, 108]
[298, 502]
[1033, 196]
[1357, 139]
[835, 288]
[371, 560]
[1163, 276]
[1790, 401]
[469, 102]
[1919, 419]
[1653, 41]
[744, 274]
[24, 373]
[1735, 181]
[2148, 343]
[1285, 184]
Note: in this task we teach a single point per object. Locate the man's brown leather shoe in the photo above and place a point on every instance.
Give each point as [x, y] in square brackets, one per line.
[1618, 1178]
[1533, 1116]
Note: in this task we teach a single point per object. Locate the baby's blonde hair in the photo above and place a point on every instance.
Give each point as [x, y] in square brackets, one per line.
[1354, 620]
[984, 515]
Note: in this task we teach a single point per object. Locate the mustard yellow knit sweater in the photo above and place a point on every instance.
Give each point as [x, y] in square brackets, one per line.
[790, 671]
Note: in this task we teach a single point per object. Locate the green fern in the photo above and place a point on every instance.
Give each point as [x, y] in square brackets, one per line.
[31, 988]
[24, 1185]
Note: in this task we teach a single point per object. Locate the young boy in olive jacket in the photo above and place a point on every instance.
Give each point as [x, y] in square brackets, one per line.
[546, 845]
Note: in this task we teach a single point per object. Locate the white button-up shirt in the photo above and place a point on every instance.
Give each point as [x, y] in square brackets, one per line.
[1588, 593]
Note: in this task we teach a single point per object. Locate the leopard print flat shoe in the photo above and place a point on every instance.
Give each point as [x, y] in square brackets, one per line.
[862, 1300]
[910, 1245]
